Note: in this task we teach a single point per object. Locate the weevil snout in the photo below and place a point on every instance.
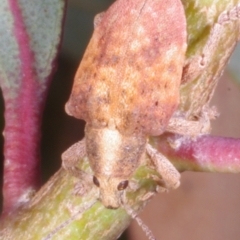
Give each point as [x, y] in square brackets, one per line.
[111, 191]
[113, 158]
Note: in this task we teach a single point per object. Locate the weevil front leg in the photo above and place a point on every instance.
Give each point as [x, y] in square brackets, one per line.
[71, 158]
[165, 168]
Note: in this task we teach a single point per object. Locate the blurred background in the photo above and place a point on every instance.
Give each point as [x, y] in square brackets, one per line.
[207, 205]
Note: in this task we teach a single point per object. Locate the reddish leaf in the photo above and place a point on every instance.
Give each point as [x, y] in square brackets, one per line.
[30, 34]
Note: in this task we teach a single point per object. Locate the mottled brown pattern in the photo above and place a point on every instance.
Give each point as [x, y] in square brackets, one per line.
[132, 68]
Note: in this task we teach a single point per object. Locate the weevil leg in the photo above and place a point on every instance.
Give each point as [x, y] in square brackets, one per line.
[188, 128]
[180, 125]
[72, 156]
[165, 168]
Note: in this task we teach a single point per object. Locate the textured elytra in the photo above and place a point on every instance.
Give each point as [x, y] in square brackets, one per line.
[132, 68]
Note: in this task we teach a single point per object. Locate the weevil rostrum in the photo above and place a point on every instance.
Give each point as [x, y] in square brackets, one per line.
[127, 89]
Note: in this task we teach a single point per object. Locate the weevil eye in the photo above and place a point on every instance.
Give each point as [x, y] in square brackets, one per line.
[96, 182]
[122, 185]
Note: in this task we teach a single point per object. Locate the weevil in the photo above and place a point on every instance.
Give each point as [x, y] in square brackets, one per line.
[127, 89]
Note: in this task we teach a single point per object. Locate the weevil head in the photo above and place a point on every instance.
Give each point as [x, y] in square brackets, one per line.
[111, 190]
[113, 157]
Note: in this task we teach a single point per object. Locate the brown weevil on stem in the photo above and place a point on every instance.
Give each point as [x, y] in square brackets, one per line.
[127, 89]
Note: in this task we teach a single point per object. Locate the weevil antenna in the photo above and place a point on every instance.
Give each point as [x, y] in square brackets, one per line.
[141, 224]
[71, 219]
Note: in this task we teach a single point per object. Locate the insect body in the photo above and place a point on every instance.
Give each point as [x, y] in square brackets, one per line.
[127, 89]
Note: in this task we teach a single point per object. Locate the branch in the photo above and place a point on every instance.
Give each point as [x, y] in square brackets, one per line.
[56, 212]
[205, 153]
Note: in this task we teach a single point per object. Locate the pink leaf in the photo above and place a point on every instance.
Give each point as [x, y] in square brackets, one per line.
[30, 36]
